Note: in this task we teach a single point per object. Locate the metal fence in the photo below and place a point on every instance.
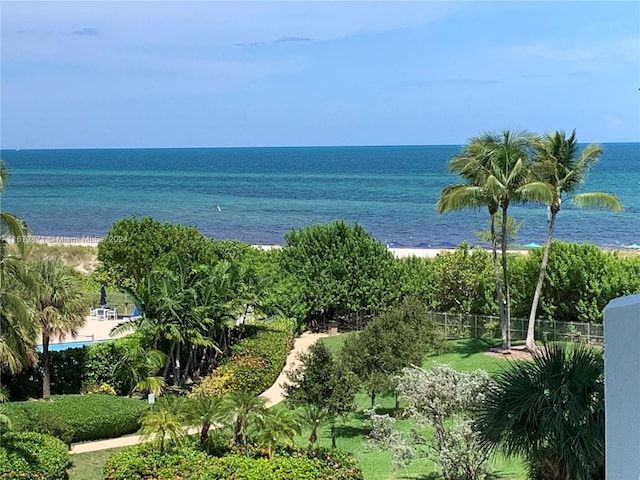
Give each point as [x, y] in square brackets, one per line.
[480, 326]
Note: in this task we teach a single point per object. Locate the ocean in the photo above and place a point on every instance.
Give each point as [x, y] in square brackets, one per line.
[256, 195]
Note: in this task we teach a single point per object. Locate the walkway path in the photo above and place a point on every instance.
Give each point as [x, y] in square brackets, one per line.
[273, 396]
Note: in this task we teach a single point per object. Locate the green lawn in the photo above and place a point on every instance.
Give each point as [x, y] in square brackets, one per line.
[467, 355]
[88, 466]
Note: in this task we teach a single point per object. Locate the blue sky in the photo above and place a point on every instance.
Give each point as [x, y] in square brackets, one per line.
[204, 74]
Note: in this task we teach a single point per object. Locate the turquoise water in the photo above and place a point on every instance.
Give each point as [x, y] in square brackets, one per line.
[258, 194]
[57, 347]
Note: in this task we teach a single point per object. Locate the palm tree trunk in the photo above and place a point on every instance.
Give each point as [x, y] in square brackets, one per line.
[169, 362]
[46, 374]
[506, 325]
[496, 269]
[204, 433]
[531, 342]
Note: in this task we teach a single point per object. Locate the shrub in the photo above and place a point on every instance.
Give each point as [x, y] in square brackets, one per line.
[91, 416]
[103, 388]
[254, 363]
[29, 455]
[50, 423]
[186, 461]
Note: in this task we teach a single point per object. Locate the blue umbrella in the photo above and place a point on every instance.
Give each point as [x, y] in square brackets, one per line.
[103, 296]
[533, 245]
[423, 245]
[633, 245]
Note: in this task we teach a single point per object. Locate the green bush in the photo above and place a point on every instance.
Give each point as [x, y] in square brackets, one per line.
[50, 423]
[254, 363]
[143, 462]
[91, 416]
[30, 455]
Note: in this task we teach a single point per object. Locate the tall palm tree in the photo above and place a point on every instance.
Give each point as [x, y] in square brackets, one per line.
[495, 167]
[564, 170]
[17, 331]
[550, 411]
[60, 306]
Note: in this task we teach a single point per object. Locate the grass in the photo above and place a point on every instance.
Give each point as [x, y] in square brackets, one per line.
[88, 466]
[465, 355]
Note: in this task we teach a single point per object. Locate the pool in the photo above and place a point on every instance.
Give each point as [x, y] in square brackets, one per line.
[56, 347]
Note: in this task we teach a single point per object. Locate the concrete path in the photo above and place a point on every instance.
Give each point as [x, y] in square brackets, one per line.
[273, 396]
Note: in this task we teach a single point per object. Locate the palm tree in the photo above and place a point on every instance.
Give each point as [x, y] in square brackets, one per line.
[241, 409]
[204, 411]
[164, 422]
[496, 170]
[17, 331]
[564, 170]
[138, 367]
[59, 308]
[315, 418]
[276, 426]
[550, 411]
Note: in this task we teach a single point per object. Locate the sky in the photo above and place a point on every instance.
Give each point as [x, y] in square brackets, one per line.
[123, 74]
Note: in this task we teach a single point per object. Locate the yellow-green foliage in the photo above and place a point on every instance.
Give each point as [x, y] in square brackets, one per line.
[102, 388]
[254, 362]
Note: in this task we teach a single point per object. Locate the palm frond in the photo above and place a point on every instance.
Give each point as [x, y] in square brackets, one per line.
[598, 200]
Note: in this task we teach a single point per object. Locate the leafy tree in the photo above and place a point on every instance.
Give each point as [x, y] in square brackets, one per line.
[342, 268]
[580, 280]
[391, 341]
[551, 411]
[59, 308]
[322, 383]
[461, 282]
[133, 247]
[496, 170]
[414, 278]
[560, 166]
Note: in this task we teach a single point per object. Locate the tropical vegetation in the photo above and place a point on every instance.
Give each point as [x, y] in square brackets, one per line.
[217, 320]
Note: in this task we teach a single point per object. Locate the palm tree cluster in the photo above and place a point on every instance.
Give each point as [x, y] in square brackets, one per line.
[249, 421]
[38, 300]
[187, 312]
[518, 167]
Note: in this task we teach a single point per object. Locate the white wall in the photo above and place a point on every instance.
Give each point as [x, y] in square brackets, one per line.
[622, 387]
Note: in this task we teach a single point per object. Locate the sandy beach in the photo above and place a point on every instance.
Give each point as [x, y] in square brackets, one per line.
[92, 330]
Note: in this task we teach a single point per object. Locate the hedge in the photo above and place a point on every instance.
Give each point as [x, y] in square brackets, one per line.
[143, 462]
[253, 363]
[71, 370]
[29, 455]
[92, 417]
